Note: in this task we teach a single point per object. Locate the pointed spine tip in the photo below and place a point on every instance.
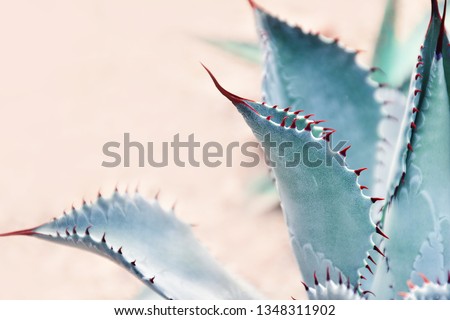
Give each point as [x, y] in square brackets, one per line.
[358, 171]
[230, 96]
[152, 279]
[305, 285]
[368, 268]
[368, 292]
[423, 277]
[381, 233]
[293, 125]
[343, 152]
[316, 282]
[378, 250]
[25, 232]
[376, 199]
[410, 148]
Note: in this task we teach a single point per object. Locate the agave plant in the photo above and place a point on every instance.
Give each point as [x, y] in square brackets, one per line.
[350, 243]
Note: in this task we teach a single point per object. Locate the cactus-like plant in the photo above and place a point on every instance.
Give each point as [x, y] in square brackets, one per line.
[350, 243]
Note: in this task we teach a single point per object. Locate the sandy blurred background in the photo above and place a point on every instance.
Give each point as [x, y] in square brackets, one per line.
[76, 74]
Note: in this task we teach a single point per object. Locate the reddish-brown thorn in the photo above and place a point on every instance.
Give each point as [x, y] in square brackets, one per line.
[423, 277]
[308, 126]
[419, 57]
[268, 118]
[298, 111]
[348, 282]
[26, 232]
[274, 107]
[293, 125]
[283, 122]
[368, 291]
[119, 251]
[292, 298]
[152, 279]
[382, 85]
[448, 276]
[309, 116]
[327, 135]
[316, 282]
[362, 277]
[67, 232]
[403, 294]
[133, 263]
[402, 179]
[415, 110]
[253, 4]
[86, 232]
[417, 91]
[328, 274]
[371, 259]
[368, 268]
[410, 148]
[287, 109]
[230, 96]
[363, 188]
[343, 152]
[358, 171]
[420, 63]
[305, 285]
[263, 103]
[104, 238]
[74, 230]
[376, 199]
[340, 278]
[410, 284]
[418, 75]
[381, 233]
[413, 125]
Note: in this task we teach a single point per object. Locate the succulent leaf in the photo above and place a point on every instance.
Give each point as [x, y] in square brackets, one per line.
[319, 230]
[419, 201]
[302, 70]
[246, 50]
[394, 58]
[149, 242]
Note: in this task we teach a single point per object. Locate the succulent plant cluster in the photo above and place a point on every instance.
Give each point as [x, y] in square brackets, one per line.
[380, 234]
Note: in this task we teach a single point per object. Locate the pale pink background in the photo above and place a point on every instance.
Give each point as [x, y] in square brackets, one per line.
[76, 74]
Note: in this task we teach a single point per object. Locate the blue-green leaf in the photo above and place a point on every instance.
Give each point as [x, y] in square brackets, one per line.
[246, 50]
[149, 242]
[303, 70]
[332, 234]
[416, 218]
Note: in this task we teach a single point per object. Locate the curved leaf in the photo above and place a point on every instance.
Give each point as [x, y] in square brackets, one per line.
[419, 200]
[149, 242]
[334, 233]
[302, 70]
